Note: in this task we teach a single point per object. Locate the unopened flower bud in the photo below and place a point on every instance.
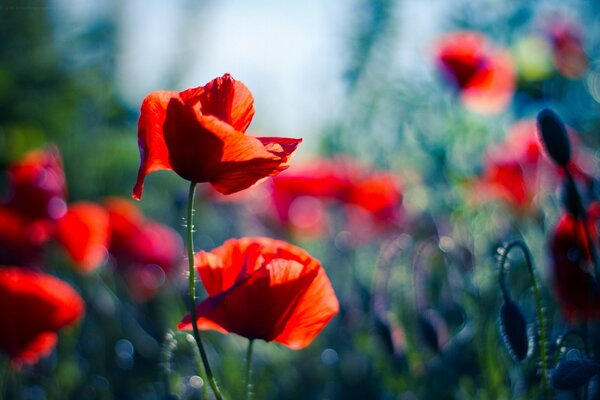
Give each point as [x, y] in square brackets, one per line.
[554, 136]
[514, 330]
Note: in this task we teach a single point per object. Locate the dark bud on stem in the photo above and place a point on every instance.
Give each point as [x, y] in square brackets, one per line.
[572, 374]
[514, 330]
[554, 136]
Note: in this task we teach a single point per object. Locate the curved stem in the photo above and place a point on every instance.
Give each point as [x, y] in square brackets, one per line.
[249, 370]
[536, 297]
[192, 290]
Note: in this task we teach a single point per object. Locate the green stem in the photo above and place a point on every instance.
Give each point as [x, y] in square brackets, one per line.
[537, 299]
[249, 369]
[192, 290]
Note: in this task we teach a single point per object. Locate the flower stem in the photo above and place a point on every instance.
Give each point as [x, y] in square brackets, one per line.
[192, 290]
[249, 369]
[537, 299]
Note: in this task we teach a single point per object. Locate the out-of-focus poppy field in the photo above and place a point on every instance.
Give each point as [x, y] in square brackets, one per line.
[358, 200]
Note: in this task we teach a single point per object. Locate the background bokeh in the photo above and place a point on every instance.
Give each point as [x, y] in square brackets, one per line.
[358, 79]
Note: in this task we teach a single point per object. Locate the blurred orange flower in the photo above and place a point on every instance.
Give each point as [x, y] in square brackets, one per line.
[199, 134]
[33, 308]
[484, 76]
[262, 288]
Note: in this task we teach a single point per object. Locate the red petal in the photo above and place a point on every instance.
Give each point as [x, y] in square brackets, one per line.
[154, 154]
[318, 305]
[225, 98]
[33, 307]
[260, 306]
[85, 232]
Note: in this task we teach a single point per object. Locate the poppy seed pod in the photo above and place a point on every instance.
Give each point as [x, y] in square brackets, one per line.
[554, 136]
[514, 330]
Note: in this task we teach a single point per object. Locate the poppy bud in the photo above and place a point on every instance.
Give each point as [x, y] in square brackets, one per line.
[514, 330]
[554, 136]
[572, 374]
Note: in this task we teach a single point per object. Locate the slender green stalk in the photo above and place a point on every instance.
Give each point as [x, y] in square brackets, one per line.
[248, 395]
[538, 303]
[192, 290]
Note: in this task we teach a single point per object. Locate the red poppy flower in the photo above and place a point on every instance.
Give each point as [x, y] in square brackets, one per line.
[21, 240]
[568, 52]
[199, 134]
[371, 197]
[144, 250]
[37, 182]
[484, 77]
[266, 289]
[33, 308]
[572, 268]
[85, 233]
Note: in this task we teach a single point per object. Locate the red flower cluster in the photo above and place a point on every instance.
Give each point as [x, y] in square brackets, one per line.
[145, 252]
[266, 289]
[199, 134]
[372, 199]
[572, 270]
[33, 308]
[484, 76]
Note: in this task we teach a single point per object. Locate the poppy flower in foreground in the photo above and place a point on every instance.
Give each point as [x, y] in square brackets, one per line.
[33, 308]
[199, 134]
[262, 288]
[572, 266]
[485, 77]
[145, 251]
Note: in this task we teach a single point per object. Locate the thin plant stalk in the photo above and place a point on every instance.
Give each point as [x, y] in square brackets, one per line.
[248, 391]
[537, 299]
[192, 291]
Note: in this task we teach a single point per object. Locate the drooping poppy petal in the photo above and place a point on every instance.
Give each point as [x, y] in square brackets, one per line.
[84, 232]
[266, 289]
[34, 307]
[37, 185]
[199, 134]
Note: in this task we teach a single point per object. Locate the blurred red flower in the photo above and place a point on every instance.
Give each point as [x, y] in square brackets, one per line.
[21, 240]
[84, 232]
[199, 134]
[372, 199]
[568, 52]
[518, 170]
[37, 185]
[262, 288]
[484, 76]
[33, 308]
[572, 266]
[145, 251]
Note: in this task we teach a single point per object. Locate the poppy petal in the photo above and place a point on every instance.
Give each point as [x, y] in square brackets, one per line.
[259, 306]
[225, 98]
[84, 232]
[154, 155]
[313, 312]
